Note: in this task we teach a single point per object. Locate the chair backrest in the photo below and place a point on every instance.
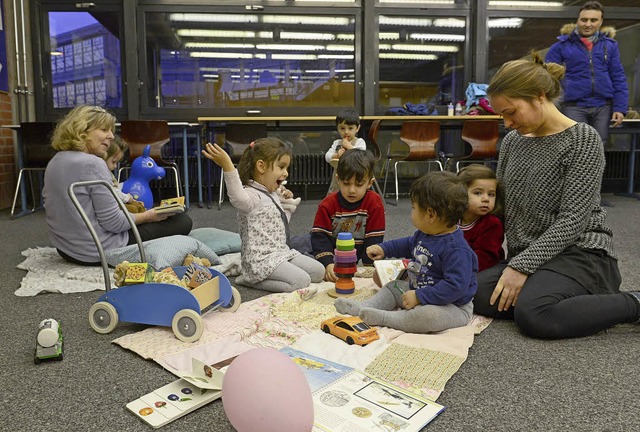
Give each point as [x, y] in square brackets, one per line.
[421, 137]
[140, 133]
[372, 143]
[35, 139]
[482, 136]
[238, 136]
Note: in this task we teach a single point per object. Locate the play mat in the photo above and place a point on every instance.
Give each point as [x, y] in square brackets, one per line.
[48, 272]
[418, 362]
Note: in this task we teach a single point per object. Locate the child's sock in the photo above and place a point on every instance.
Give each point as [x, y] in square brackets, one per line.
[383, 300]
[373, 317]
[347, 307]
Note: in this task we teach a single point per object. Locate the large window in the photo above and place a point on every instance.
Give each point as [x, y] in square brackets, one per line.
[300, 57]
[84, 57]
[250, 60]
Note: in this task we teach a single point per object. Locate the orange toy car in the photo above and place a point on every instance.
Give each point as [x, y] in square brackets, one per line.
[350, 329]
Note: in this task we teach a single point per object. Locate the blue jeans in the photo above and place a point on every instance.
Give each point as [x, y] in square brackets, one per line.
[598, 117]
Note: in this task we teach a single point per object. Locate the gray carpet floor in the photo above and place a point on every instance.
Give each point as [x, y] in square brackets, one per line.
[508, 383]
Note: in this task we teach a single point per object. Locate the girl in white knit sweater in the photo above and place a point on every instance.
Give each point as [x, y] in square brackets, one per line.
[256, 189]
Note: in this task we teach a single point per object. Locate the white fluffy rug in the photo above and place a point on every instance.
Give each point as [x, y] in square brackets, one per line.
[48, 272]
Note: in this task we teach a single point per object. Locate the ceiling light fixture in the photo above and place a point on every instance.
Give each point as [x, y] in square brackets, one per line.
[437, 37]
[289, 47]
[221, 18]
[336, 56]
[449, 22]
[216, 33]
[403, 21]
[201, 45]
[425, 48]
[400, 56]
[204, 54]
[305, 20]
[505, 23]
[518, 4]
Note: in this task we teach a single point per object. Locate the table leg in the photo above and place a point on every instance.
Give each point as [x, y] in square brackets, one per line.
[199, 159]
[632, 166]
[185, 165]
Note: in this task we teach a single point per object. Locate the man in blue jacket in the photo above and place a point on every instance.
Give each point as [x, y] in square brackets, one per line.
[595, 86]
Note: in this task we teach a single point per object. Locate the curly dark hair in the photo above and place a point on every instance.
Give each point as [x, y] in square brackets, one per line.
[443, 192]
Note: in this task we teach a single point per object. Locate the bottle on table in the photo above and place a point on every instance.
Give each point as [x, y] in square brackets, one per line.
[450, 109]
[458, 109]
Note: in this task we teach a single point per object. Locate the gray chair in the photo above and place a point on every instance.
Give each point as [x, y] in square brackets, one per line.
[34, 140]
[421, 139]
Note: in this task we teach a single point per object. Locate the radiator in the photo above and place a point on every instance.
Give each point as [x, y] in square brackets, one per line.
[308, 170]
[617, 167]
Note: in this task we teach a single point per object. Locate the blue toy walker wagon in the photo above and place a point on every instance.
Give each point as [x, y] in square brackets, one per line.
[154, 303]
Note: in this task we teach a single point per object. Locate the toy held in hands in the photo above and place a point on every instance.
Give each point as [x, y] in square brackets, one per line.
[352, 330]
[143, 170]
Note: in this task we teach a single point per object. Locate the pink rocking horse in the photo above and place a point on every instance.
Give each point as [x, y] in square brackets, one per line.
[143, 170]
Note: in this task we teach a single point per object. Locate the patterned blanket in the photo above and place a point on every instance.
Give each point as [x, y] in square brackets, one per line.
[48, 272]
[422, 363]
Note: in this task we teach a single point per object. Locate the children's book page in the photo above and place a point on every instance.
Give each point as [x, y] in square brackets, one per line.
[171, 205]
[389, 269]
[358, 402]
[196, 388]
[348, 400]
[318, 371]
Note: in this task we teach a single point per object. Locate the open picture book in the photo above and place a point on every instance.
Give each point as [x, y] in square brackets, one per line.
[195, 388]
[171, 205]
[389, 269]
[346, 399]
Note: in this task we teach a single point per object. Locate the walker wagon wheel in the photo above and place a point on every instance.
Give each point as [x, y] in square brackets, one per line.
[103, 317]
[187, 325]
[236, 299]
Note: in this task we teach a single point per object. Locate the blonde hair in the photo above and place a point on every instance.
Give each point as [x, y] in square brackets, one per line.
[268, 150]
[528, 79]
[71, 132]
[473, 172]
[117, 145]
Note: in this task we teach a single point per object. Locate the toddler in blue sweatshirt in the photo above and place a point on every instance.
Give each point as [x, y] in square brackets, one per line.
[441, 277]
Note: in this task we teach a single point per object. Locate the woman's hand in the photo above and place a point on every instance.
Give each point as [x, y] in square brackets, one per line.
[508, 288]
[410, 299]
[375, 252]
[150, 216]
[221, 158]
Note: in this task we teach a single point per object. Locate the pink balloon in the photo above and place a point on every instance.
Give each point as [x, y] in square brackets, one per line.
[264, 390]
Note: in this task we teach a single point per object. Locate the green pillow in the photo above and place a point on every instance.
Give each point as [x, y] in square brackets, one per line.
[220, 241]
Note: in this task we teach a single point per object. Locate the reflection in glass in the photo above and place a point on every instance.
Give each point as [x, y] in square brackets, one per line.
[511, 43]
[249, 60]
[85, 59]
[420, 60]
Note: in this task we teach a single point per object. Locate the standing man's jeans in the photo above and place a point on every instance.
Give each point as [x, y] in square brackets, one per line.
[598, 117]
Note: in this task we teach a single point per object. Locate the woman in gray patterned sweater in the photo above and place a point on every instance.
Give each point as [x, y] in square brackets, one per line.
[561, 279]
